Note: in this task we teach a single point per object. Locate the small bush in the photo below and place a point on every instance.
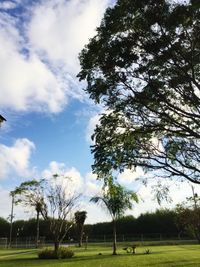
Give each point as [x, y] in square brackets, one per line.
[147, 251]
[49, 253]
[65, 253]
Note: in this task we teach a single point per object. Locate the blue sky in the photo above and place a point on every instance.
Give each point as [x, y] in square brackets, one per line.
[49, 117]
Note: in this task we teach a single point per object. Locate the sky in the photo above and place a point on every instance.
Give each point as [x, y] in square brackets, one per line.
[49, 116]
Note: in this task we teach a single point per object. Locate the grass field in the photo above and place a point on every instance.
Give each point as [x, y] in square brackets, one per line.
[160, 256]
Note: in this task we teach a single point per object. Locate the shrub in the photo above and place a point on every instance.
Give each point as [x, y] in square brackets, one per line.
[65, 253]
[147, 251]
[49, 253]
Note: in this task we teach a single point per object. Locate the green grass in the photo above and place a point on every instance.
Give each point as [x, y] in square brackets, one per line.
[160, 256]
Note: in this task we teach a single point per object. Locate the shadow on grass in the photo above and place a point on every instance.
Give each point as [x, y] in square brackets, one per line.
[33, 260]
[74, 259]
[96, 259]
[11, 253]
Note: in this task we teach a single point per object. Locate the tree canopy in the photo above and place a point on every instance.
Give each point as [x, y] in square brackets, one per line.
[143, 66]
[116, 199]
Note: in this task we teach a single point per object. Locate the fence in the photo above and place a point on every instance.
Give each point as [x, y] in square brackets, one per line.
[29, 242]
[3, 242]
[138, 238]
[21, 242]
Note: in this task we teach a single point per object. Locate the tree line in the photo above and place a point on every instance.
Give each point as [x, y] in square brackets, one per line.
[163, 221]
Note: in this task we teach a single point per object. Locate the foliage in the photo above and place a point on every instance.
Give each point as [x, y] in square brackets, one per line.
[4, 227]
[188, 217]
[147, 251]
[49, 253]
[143, 65]
[30, 193]
[116, 199]
[160, 221]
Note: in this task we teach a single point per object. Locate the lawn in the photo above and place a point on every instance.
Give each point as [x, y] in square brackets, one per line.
[160, 256]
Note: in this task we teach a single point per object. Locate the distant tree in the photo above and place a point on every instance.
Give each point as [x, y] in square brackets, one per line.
[188, 216]
[161, 221]
[80, 217]
[116, 199]
[30, 194]
[143, 66]
[4, 227]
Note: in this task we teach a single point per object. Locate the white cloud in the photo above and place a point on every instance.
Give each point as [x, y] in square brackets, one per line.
[16, 158]
[128, 176]
[178, 191]
[93, 187]
[5, 207]
[75, 180]
[26, 82]
[65, 28]
[95, 213]
[7, 5]
[89, 186]
[39, 62]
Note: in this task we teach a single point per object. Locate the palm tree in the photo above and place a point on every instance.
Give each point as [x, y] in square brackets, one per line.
[30, 194]
[116, 199]
[80, 217]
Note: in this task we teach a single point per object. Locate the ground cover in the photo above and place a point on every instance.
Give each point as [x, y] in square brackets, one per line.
[100, 256]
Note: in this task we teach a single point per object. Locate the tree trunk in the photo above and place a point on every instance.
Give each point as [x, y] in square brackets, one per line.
[114, 238]
[56, 246]
[81, 237]
[38, 229]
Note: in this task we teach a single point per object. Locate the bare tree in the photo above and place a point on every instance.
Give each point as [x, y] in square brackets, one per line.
[55, 200]
[60, 202]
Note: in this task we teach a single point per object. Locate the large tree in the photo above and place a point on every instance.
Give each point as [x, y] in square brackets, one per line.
[116, 199]
[143, 65]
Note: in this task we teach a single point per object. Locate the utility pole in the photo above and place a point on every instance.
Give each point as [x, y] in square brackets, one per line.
[195, 196]
[12, 194]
